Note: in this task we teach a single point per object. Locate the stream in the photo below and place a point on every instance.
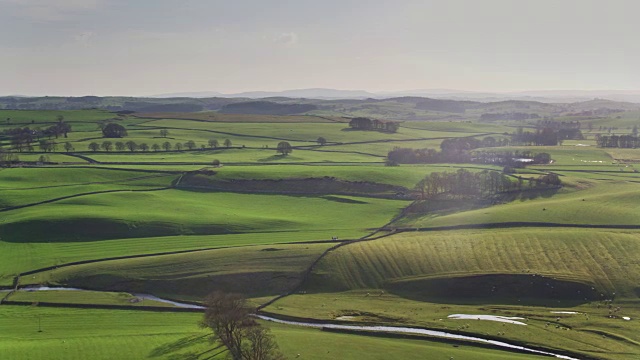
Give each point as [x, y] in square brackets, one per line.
[379, 329]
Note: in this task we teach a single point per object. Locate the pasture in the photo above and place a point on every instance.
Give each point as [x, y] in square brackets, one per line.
[123, 222]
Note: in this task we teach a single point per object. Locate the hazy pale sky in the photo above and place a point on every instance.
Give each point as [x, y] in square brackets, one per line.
[146, 47]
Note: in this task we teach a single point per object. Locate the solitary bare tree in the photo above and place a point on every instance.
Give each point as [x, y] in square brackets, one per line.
[229, 317]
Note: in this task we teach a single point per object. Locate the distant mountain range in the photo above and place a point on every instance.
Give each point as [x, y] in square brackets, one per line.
[548, 96]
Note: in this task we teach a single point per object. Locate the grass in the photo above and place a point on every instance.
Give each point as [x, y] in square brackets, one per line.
[307, 132]
[582, 202]
[21, 257]
[32, 185]
[82, 297]
[256, 271]
[180, 212]
[72, 334]
[39, 117]
[594, 334]
[425, 275]
[69, 334]
[234, 118]
[599, 258]
[236, 155]
[318, 344]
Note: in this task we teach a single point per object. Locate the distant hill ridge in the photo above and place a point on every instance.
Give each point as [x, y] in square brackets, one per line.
[399, 108]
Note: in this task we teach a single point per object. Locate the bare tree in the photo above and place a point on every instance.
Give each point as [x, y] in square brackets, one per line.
[227, 143]
[229, 317]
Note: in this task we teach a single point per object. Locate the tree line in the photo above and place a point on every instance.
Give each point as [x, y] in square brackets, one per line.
[618, 141]
[545, 136]
[460, 150]
[363, 123]
[464, 184]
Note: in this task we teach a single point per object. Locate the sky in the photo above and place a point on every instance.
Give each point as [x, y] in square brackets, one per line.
[147, 47]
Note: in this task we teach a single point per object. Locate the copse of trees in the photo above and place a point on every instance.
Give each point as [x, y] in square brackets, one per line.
[113, 130]
[618, 141]
[462, 152]
[7, 158]
[363, 123]
[21, 138]
[464, 184]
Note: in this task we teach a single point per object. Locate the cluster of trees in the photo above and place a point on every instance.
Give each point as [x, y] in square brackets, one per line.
[231, 321]
[213, 143]
[22, 139]
[510, 158]
[113, 130]
[459, 150]
[60, 128]
[545, 136]
[363, 123]
[618, 141]
[465, 184]
[7, 158]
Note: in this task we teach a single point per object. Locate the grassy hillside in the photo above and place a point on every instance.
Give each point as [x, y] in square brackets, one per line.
[99, 334]
[599, 258]
[254, 271]
[587, 203]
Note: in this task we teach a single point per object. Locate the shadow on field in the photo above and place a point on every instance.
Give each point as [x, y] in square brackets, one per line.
[279, 157]
[498, 289]
[173, 350]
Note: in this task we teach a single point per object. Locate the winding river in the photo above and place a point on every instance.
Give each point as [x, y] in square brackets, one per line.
[379, 329]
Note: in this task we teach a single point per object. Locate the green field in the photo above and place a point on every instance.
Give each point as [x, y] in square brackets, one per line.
[257, 271]
[72, 334]
[327, 233]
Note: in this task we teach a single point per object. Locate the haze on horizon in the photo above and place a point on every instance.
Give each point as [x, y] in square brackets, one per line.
[147, 47]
